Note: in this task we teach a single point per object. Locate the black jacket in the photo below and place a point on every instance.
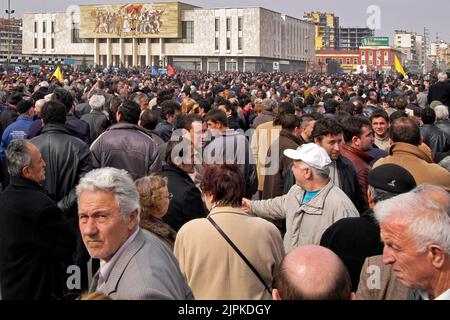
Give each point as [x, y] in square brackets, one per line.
[435, 138]
[444, 125]
[7, 116]
[80, 128]
[164, 130]
[67, 159]
[350, 183]
[36, 242]
[440, 92]
[186, 203]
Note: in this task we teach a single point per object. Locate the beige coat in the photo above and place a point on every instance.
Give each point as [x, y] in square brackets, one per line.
[377, 282]
[214, 270]
[418, 161]
[265, 135]
[306, 223]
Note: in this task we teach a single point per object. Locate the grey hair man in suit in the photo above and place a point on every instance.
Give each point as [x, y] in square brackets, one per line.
[415, 229]
[134, 264]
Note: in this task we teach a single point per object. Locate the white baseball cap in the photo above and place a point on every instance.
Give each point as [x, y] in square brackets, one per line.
[312, 154]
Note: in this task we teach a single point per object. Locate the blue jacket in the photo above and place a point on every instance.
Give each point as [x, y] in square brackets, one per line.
[17, 130]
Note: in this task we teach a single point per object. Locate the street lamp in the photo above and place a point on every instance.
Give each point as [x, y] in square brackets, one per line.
[9, 12]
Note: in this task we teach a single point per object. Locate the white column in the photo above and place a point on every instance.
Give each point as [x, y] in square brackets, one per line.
[96, 62]
[121, 53]
[134, 51]
[108, 53]
[148, 57]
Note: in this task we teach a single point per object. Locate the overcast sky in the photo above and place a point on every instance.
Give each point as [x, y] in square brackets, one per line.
[411, 15]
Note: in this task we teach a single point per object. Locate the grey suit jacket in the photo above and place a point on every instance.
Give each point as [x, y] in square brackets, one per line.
[147, 270]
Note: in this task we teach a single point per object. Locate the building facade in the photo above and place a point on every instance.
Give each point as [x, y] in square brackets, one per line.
[352, 38]
[380, 58]
[231, 39]
[408, 43]
[10, 39]
[347, 59]
[326, 29]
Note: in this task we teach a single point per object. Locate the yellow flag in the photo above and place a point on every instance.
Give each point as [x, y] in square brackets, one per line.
[58, 75]
[398, 67]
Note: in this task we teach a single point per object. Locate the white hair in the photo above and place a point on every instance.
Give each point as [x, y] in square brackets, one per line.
[116, 181]
[426, 213]
[97, 102]
[442, 76]
[441, 113]
[317, 173]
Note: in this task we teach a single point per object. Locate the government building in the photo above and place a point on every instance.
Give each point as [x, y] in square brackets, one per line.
[182, 35]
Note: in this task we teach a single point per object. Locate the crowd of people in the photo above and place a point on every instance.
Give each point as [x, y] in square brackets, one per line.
[225, 186]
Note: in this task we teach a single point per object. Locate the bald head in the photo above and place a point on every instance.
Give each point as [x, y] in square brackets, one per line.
[312, 273]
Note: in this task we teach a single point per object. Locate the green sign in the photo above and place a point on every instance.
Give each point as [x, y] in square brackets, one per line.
[375, 41]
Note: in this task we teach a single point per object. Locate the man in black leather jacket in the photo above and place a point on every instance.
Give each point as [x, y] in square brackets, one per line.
[68, 158]
[433, 137]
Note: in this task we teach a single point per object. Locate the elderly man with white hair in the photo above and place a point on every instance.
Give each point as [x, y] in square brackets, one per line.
[415, 229]
[442, 119]
[134, 263]
[312, 205]
[440, 91]
[96, 119]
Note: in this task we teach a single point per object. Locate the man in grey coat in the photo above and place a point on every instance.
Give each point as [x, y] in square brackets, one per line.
[312, 205]
[134, 264]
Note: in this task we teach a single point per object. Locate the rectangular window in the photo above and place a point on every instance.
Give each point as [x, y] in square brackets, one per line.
[53, 26]
[240, 24]
[43, 43]
[217, 25]
[370, 54]
[35, 43]
[216, 43]
[228, 24]
[378, 62]
[187, 28]
[35, 27]
[385, 54]
[53, 43]
[347, 61]
[44, 27]
[341, 61]
[76, 34]
[363, 54]
[355, 61]
[240, 43]
[228, 44]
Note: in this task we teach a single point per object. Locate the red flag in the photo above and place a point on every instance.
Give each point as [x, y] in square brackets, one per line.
[170, 71]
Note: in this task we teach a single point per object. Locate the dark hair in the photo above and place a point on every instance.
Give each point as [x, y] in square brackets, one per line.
[216, 115]
[63, 96]
[428, 115]
[331, 106]
[325, 127]
[168, 108]
[379, 113]
[226, 184]
[149, 120]
[400, 103]
[171, 145]
[129, 112]
[339, 290]
[405, 130]
[164, 95]
[353, 127]
[283, 109]
[290, 122]
[397, 115]
[53, 111]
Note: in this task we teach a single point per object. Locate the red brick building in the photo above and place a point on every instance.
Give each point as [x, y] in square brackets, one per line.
[375, 57]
